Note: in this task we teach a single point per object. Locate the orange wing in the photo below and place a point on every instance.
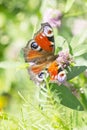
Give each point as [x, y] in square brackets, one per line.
[41, 46]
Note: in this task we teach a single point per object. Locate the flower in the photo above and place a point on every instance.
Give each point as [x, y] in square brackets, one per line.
[64, 58]
[53, 17]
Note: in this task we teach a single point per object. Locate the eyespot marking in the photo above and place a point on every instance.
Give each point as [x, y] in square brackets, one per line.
[48, 31]
[34, 46]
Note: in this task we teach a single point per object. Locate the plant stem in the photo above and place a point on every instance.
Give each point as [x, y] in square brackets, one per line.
[74, 14]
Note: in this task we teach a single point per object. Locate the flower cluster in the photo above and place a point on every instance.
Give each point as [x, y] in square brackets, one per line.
[64, 58]
[53, 17]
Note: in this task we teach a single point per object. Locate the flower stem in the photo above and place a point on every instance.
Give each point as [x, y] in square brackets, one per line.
[74, 14]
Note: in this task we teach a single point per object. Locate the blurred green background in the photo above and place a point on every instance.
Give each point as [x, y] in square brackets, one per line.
[19, 20]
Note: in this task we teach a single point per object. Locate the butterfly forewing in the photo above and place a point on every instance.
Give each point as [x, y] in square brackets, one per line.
[45, 38]
[41, 46]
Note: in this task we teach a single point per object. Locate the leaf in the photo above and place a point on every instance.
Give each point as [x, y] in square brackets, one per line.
[82, 60]
[61, 42]
[78, 44]
[79, 39]
[12, 65]
[70, 49]
[69, 4]
[80, 50]
[75, 71]
[65, 96]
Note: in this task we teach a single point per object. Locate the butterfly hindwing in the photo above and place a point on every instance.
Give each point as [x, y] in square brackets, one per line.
[35, 72]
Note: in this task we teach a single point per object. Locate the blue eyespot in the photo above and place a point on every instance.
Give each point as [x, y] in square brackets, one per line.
[34, 46]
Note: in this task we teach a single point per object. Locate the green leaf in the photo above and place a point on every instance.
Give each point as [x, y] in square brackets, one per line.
[82, 60]
[78, 44]
[75, 71]
[69, 4]
[79, 39]
[12, 65]
[61, 43]
[65, 96]
[70, 49]
[80, 50]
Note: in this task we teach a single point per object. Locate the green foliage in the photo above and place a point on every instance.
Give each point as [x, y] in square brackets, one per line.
[13, 65]
[78, 44]
[60, 43]
[69, 4]
[75, 71]
[63, 94]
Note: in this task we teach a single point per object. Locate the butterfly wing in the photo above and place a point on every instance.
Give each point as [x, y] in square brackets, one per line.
[35, 72]
[41, 46]
[45, 38]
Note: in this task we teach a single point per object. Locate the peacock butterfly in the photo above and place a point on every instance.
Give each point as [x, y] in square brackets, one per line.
[39, 53]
